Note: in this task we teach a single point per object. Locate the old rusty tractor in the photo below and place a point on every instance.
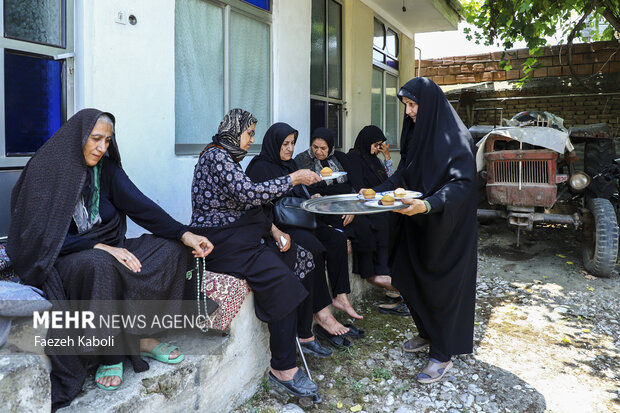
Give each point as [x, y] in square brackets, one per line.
[531, 173]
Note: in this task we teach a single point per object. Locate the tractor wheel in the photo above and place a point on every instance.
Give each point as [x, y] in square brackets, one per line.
[600, 243]
[598, 155]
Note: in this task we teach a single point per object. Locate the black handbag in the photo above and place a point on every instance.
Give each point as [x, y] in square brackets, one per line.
[289, 214]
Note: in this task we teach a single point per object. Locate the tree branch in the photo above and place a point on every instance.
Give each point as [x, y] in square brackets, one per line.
[608, 15]
[569, 44]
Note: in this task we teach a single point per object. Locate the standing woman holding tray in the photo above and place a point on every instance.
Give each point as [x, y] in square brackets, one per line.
[433, 252]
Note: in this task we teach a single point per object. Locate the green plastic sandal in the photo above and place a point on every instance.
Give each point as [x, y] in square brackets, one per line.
[161, 352]
[107, 371]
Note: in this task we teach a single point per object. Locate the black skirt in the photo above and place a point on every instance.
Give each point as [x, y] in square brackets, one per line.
[246, 250]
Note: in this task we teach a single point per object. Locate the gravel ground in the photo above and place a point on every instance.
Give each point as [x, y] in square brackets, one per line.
[547, 339]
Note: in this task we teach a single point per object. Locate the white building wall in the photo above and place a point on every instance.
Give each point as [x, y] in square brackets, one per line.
[129, 71]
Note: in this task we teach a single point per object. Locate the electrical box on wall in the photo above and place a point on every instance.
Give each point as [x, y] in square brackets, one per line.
[121, 17]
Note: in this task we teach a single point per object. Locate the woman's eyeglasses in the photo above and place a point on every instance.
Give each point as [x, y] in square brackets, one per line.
[251, 132]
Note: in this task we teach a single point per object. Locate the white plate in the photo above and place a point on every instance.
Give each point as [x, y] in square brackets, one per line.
[408, 194]
[375, 204]
[361, 197]
[334, 175]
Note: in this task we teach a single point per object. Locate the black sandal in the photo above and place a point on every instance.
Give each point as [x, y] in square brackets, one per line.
[399, 308]
[334, 340]
[354, 332]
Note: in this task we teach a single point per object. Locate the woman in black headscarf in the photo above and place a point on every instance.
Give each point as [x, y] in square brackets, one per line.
[67, 235]
[371, 171]
[433, 253]
[226, 207]
[322, 153]
[325, 243]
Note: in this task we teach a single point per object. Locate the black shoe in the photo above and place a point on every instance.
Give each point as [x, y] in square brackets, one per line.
[354, 332]
[315, 348]
[336, 341]
[399, 308]
[300, 386]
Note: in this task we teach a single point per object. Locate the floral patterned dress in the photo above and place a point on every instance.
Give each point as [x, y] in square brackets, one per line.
[226, 207]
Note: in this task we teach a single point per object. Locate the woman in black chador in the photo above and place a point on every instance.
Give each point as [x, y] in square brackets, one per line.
[433, 242]
[226, 207]
[322, 153]
[325, 243]
[67, 235]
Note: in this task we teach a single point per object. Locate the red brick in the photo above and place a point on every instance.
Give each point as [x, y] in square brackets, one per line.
[447, 61]
[542, 72]
[454, 70]
[566, 71]
[487, 77]
[614, 67]
[443, 70]
[554, 71]
[523, 53]
[465, 79]
[546, 61]
[496, 56]
[602, 68]
[426, 63]
[437, 79]
[512, 75]
[449, 79]
[478, 67]
[501, 75]
[459, 60]
[583, 69]
[575, 59]
[491, 67]
[465, 69]
[594, 58]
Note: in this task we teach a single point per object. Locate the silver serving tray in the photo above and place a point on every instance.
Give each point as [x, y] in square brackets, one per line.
[347, 204]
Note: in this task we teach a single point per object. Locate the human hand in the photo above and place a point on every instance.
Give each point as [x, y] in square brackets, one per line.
[283, 240]
[304, 177]
[415, 207]
[315, 196]
[201, 245]
[385, 150]
[347, 219]
[122, 255]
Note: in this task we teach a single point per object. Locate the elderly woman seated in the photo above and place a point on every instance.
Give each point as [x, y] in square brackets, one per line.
[326, 243]
[370, 249]
[67, 235]
[227, 208]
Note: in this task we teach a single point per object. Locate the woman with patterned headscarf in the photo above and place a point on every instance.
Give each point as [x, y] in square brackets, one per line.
[226, 208]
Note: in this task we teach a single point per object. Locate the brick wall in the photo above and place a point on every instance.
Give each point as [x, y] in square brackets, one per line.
[551, 89]
[588, 59]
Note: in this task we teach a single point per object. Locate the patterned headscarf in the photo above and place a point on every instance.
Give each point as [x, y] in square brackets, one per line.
[229, 132]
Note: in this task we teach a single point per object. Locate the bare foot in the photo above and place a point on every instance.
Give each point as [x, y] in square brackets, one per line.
[109, 381]
[349, 246]
[306, 340]
[148, 344]
[341, 302]
[326, 319]
[383, 281]
[284, 375]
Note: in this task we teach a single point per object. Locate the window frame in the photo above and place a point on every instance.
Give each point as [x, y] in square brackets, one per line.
[64, 54]
[253, 12]
[385, 71]
[326, 99]
[384, 51]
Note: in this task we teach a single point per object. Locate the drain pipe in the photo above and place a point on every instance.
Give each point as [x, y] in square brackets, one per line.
[419, 61]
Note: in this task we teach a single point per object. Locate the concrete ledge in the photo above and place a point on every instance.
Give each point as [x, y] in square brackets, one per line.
[218, 373]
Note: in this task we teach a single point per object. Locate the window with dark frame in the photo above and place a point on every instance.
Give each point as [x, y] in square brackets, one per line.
[326, 84]
[36, 65]
[385, 106]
